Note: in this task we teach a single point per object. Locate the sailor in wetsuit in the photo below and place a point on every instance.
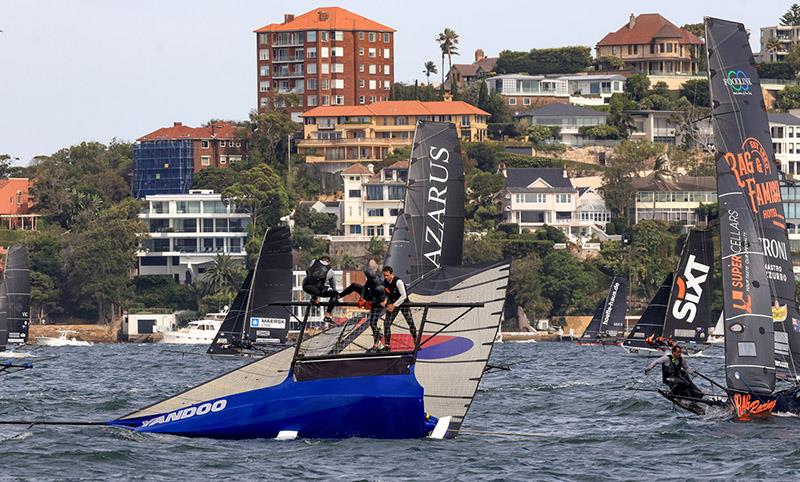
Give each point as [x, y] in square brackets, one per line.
[675, 373]
[372, 294]
[396, 294]
[320, 283]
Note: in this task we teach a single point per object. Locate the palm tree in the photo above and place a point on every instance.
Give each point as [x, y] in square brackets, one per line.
[448, 41]
[222, 275]
[430, 68]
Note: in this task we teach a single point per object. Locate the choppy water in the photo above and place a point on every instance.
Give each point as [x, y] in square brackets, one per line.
[590, 427]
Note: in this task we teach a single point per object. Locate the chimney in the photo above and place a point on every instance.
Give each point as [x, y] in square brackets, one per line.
[371, 168]
[479, 54]
[564, 174]
[177, 124]
[288, 17]
[323, 15]
[632, 21]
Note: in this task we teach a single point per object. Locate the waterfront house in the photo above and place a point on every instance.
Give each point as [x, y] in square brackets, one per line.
[672, 198]
[465, 75]
[16, 206]
[568, 118]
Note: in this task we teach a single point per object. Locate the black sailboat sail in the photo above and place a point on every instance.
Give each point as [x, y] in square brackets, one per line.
[750, 212]
[651, 323]
[272, 282]
[609, 317]
[592, 330]
[3, 316]
[688, 317]
[230, 336]
[18, 294]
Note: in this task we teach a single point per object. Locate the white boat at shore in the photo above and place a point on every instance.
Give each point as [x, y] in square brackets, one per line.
[16, 354]
[62, 340]
[199, 332]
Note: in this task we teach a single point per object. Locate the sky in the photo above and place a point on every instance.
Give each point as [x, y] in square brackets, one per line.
[84, 70]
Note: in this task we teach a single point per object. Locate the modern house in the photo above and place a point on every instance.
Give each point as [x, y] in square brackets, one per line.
[372, 200]
[165, 160]
[663, 126]
[777, 41]
[523, 92]
[187, 231]
[568, 118]
[593, 89]
[651, 44]
[337, 136]
[465, 75]
[16, 206]
[328, 56]
[672, 198]
[785, 131]
[534, 197]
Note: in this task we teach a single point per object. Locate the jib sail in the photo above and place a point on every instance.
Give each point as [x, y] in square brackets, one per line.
[651, 323]
[18, 294]
[752, 223]
[609, 317]
[688, 317]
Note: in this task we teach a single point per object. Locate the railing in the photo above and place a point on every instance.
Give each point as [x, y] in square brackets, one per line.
[353, 140]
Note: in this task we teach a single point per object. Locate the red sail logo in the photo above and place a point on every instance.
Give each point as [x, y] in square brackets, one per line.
[747, 406]
[747, 165]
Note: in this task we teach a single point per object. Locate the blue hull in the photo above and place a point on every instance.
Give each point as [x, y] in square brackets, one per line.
[383, 406]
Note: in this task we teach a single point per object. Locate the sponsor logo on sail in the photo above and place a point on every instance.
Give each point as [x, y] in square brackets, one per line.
[439, 158]
[779, 312]
[612, 298]
[269, 323]
[738, 82]
[746, 405]
[739, 269]
[751, 162]
[189, 412]
[690, 289]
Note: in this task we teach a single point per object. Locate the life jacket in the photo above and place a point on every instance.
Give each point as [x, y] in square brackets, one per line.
[672, 369]
[317, 274]
[391, 290]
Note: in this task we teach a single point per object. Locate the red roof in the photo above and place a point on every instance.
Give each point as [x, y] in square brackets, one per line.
[326, 18]
[396, 107]
[218, 130]
[646, 27]
[399, 165]
[357, 169]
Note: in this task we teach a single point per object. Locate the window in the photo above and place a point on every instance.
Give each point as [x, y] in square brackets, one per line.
[263, 54]
[669, 48]
[385, 53]
[372, 99]
[204, 144]
[311, 36]
[386, 70]
[311, 68]
[397, 193]
[263, 38]
[311, 53]
[337, 52]
[386, 37]
[326, 84]
[338, 100]
[372, 84]
[338, 83]
[338, 35]
[372, 36]
[263, 71]
[362, 83]
[526, 101]
[373, 69]
[338, 68]
[233, 159]
[214, 207]
[375, 212]
[563, 198]
[355, 229]
[323, 36]
[394, 212]
[361, 51]
[205, 160]
[325, 68]
[372, 53]
[354, 193]
[512, 101]
[222, 143]
[223, 159]
[386, 85]
[360, 35]
[375, 193]
[361, 99]
[325, 100]
[263, 86]
[312, 100]
[323, 52]
[311, 84]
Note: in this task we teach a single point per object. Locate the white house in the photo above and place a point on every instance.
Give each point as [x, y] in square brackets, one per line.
[785, 131]
[568, 118]
[187, 231]
[372, 201]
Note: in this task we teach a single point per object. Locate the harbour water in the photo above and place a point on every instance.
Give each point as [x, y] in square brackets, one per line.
[571, 403]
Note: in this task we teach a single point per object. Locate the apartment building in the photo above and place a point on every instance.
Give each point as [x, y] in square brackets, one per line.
[534, 197]
[651, 44]
[328, 56]
[337, 136]
[568, 118]
[524, 92]
[672, 198]
[777, 41]
[784, 128]
[165, 160]
[372, 200]
[187, 231]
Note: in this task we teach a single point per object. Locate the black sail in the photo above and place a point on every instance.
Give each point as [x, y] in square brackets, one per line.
[398, 255]
[3, 316]
[593, 328]
[613, 321]
[231, 332]
[750, 212]
[688, 317]
[434, 203]
[651, 323]
[272, 283]
[18, 294]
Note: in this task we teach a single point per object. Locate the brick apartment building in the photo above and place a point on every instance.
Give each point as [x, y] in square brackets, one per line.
[165, 160]
[328, 56]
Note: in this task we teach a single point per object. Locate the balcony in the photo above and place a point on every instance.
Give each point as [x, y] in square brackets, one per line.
[300, 57]
[290, 91]
[287, 75]
[354, 141]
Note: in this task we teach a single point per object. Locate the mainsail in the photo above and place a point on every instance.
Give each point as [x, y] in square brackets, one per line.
[688, 318]
[3, 316]
[18, 293]
[756, 268]
[609, 317]
[231, 332]
[272, 282]
[651, 323]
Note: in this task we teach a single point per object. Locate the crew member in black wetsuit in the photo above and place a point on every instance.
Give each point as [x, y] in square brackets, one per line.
[372, 293]
[675, 373]
[320, 283]
[396, 294]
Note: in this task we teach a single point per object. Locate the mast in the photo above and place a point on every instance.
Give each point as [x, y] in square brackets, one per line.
[750, 212]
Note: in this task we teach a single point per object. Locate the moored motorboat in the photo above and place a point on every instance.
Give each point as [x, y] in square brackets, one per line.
[198, 332]
[62, 340]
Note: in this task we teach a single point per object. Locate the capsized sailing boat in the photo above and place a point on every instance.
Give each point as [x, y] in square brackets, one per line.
[252, 323]
[608, 323]
[757, 272]
[326, 386]
[680, 311]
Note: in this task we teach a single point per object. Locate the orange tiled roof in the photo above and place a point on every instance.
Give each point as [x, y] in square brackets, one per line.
[357, 169]
[220, 130]
[327, 18]
[399, 165]
[648, 26]
[396, 107]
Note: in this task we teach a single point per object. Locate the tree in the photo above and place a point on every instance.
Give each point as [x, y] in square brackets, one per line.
[215, 178]
[773, 45]
[268, 137]
[618, 104]
[484, 155]
[617, 190]
[483, 192]
[652, 256]
[637, 86]
[655, 102]
[775, 70]
[602, 131]
[448, 43]
[307, 245]
[45, 262]
[261, 193]
[697, 29]
[223, 275]
[539, 134]
[571, 285]
[481, 250]
[661, 88]
[793, 57]
[792, 16]
[376, 248]
[636, 156]
[545, 61]
[696, 92]
[318, 223]
[430, 68]
[607, 62]
[526, 287]
[788, 98]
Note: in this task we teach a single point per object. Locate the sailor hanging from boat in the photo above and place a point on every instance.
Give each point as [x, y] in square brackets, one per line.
[320, 283]
[373, 298]
[675, 372]
[396, 294]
